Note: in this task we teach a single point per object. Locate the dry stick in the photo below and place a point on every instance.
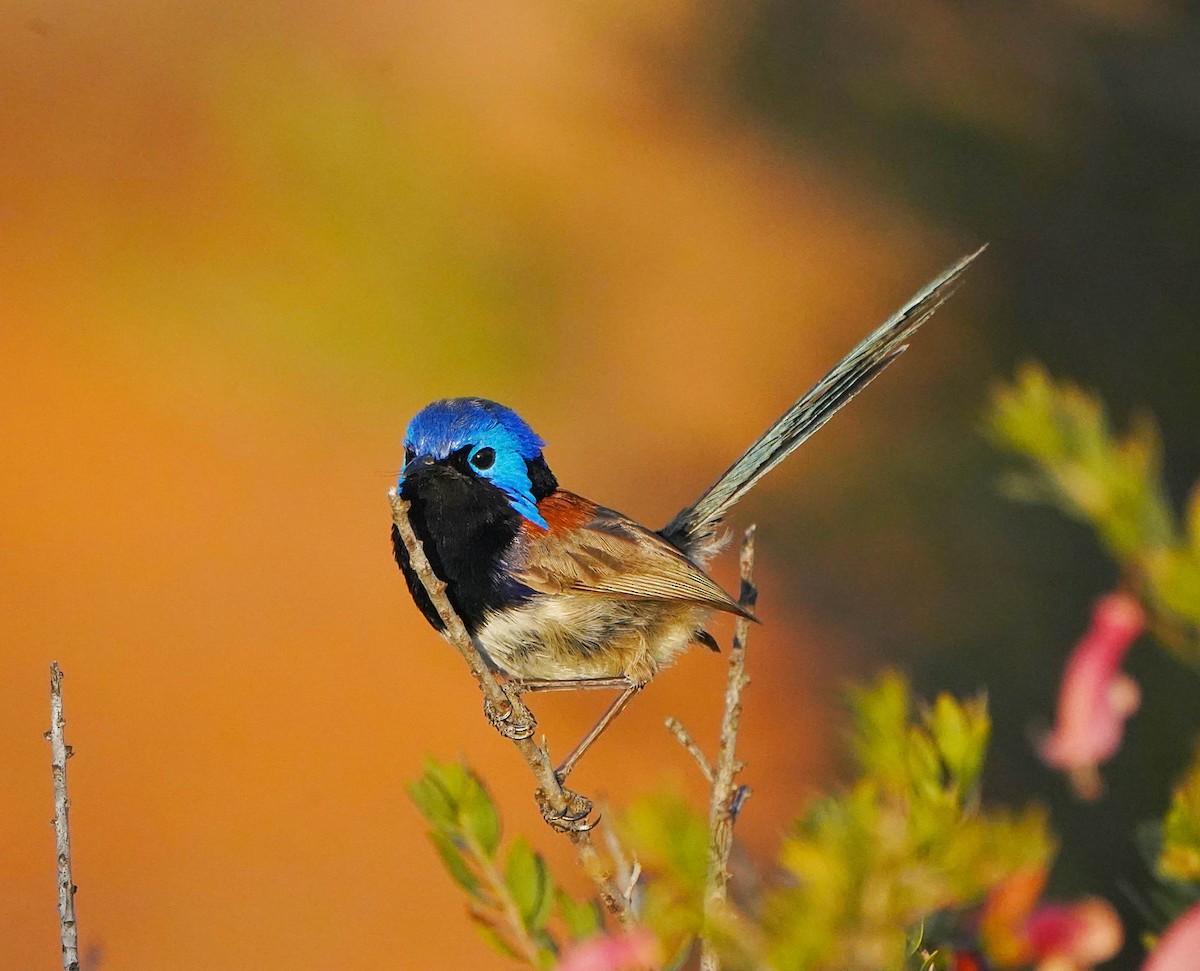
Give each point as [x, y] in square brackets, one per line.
[721, 809]
[507, 706]
[675, 727]
[59, 753]
[628, 871]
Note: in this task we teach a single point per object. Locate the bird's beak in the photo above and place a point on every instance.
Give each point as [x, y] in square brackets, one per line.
[420, 462]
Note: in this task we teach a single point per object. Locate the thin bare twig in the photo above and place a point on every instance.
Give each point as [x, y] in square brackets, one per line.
[675, 727]
[60, 751]
[628, 869]
[722, 808]
[562, 808]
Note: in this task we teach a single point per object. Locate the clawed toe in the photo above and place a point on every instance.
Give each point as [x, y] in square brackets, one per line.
[567, 815]
[569, 824]
[573, 817]
[515, 721]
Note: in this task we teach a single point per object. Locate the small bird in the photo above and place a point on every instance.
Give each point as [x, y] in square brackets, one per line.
[558, 592]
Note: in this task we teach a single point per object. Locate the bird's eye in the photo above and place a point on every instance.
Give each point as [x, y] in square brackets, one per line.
[485, 458]
[409, 454]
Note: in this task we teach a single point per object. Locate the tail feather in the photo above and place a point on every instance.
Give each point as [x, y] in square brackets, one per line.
[694, 528]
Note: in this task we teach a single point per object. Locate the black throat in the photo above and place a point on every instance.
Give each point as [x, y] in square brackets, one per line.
[465, 525]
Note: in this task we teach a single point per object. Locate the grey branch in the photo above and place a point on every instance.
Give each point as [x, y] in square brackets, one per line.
[722, 809]
[508, 711]
[675, 727]
[59, 753]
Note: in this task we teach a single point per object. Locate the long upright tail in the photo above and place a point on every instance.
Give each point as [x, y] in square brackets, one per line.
[694, 528]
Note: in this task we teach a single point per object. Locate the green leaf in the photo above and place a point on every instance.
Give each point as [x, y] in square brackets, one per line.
[1175, 578]
[924, 763]
[529, 883]
[1063, 432]
[547, 948]
[454, 862]
[478, 814]
[916, 938]
[1179, 858]
[961, 733]
[455, 800]
[431, 796]
[583, 918]
[880, 728]
[497, 940]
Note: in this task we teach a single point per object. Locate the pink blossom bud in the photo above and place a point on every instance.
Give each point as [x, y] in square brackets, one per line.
[1095, 696]
[1074, 936]
[635, 951]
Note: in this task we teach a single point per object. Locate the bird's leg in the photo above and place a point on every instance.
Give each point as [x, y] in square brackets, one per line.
[606, 719]
[530, 685]
[517, 721]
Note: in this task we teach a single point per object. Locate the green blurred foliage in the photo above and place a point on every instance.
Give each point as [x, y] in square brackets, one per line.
[1179, 857]
[907, 841]
[669, 838]
[1075, 461]
[1172, 850]
[881, 876]
[512, 902]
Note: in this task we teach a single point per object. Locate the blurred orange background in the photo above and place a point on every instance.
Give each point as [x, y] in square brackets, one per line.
[241, 244]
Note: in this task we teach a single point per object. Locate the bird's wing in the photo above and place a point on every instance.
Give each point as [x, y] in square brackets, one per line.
[590, 549]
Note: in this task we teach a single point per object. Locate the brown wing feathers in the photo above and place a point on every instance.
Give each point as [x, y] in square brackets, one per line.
[590, 549]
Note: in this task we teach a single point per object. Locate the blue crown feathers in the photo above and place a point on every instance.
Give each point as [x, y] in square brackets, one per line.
[443, 427]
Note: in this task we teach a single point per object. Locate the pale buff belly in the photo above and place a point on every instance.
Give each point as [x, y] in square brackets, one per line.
[569, 636]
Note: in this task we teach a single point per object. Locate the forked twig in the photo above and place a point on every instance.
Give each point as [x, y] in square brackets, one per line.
[566, 811]
[675, 727]
[59, 753]
[722, 809]
[726, 798]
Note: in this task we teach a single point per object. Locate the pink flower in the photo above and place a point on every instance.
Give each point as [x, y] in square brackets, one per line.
[635, 951]
[1070, 936]
[1017, 932]
[1179, 948]
[1095, 696]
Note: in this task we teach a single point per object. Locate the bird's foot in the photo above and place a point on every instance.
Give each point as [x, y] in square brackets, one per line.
[572, 817]
[514, 721]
